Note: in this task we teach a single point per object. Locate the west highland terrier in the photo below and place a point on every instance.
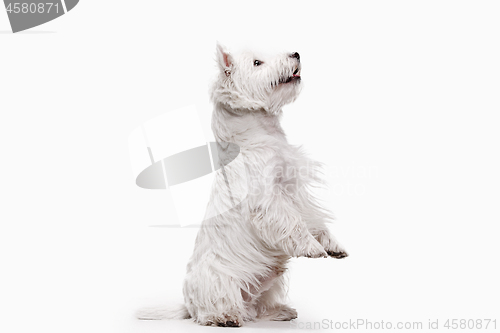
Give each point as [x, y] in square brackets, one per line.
[263, 211]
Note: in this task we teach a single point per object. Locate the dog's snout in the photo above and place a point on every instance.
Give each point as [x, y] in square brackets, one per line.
[295, 55]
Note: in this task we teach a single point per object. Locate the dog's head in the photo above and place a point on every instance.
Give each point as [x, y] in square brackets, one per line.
[250, 82]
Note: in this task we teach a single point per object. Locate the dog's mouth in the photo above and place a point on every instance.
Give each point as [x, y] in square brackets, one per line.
[295, 77]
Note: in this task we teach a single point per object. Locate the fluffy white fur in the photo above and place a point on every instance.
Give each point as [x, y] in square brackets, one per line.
[236, 273]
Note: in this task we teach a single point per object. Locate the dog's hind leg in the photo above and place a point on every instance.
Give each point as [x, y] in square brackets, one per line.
[271, 303]
[213, 298]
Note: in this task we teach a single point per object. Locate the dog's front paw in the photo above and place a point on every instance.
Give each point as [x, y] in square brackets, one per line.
[337, 251]
[332, 246]
[317, 255]
[337, 255]
[314, 250]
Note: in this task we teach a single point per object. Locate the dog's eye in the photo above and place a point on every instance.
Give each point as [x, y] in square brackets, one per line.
[257, 63]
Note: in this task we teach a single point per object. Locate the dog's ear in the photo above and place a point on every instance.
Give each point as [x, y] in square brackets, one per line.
[224, 59]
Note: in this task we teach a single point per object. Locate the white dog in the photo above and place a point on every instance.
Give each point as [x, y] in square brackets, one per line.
[236, 273]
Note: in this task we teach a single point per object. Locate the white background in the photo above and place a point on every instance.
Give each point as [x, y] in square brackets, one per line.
[409, 90]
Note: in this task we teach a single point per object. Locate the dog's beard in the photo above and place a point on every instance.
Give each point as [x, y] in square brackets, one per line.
[283, 94]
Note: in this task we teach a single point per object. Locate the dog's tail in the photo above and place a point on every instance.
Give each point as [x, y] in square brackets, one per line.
[179, 312]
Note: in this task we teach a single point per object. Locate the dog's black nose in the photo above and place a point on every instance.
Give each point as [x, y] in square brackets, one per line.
[295, 55]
